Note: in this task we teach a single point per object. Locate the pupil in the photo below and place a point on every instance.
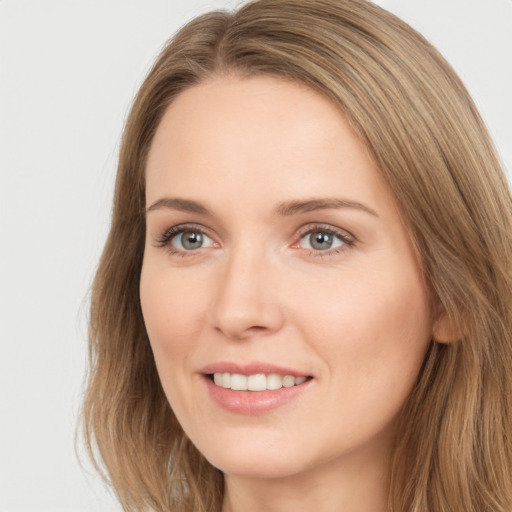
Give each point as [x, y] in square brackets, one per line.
[192, 240]
[321, 241]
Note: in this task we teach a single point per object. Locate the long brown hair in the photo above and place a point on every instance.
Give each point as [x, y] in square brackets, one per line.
[454, 442]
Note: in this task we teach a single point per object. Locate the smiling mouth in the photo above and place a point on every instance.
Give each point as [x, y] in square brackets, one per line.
[256, 382]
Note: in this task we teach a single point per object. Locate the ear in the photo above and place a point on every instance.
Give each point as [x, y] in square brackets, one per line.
[446, 330]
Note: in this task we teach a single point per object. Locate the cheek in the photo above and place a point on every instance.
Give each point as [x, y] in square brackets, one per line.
[370, 323]
[172, 309]
[372, 335]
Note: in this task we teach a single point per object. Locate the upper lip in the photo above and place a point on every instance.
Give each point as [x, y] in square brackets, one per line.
[250, 369]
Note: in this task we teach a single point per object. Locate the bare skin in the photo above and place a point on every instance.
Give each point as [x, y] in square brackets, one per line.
[272, 240]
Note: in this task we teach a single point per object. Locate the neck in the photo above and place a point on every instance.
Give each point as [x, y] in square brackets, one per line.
[348, 486]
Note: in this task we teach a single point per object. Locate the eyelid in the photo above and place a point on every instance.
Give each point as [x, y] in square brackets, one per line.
[348, 240]
[345, 235]
[166, 238]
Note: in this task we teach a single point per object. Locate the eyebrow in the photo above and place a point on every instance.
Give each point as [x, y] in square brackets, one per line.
[296, 207]
[176, 203]
[284, 209]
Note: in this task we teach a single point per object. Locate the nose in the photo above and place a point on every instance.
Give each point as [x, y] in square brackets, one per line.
[246, 302]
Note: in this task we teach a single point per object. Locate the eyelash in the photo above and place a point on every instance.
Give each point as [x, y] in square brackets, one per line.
[166, 238]
[346, 238]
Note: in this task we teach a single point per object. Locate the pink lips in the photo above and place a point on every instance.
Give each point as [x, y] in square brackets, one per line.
[251, 402]
[249, 369]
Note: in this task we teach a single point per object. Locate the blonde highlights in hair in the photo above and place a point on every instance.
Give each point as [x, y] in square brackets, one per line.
[453, 449]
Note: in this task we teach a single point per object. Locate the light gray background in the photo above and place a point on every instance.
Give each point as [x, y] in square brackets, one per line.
[68, 72]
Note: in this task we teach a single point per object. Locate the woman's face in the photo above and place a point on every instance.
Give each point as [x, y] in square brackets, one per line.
[276, 259]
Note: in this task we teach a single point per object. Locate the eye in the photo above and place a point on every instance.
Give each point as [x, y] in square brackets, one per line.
[190, 240]
[324, 239]
[185, 240]
[321, 241]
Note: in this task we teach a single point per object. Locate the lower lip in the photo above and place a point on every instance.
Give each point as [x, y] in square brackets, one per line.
[253, 402]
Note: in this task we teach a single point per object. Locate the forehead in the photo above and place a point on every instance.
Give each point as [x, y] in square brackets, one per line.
[262, 134]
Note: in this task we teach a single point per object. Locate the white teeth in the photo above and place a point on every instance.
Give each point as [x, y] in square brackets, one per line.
[226, 380]
[288, 381]
[274, 381]
[256, 382]
[238, 382]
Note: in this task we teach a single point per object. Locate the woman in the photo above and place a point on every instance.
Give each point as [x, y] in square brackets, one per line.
[305, 297]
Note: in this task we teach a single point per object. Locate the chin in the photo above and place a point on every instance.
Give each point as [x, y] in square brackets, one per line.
[263, 468]
[255, 461]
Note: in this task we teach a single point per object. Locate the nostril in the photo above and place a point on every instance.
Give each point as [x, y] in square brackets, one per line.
[257, 328]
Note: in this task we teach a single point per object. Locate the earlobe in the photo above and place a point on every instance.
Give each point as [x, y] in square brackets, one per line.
[446, 330]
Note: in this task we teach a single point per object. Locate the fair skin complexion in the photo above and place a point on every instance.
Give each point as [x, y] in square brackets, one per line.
[272, 240]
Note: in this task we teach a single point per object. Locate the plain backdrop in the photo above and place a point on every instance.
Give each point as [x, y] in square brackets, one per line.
[68, 73]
